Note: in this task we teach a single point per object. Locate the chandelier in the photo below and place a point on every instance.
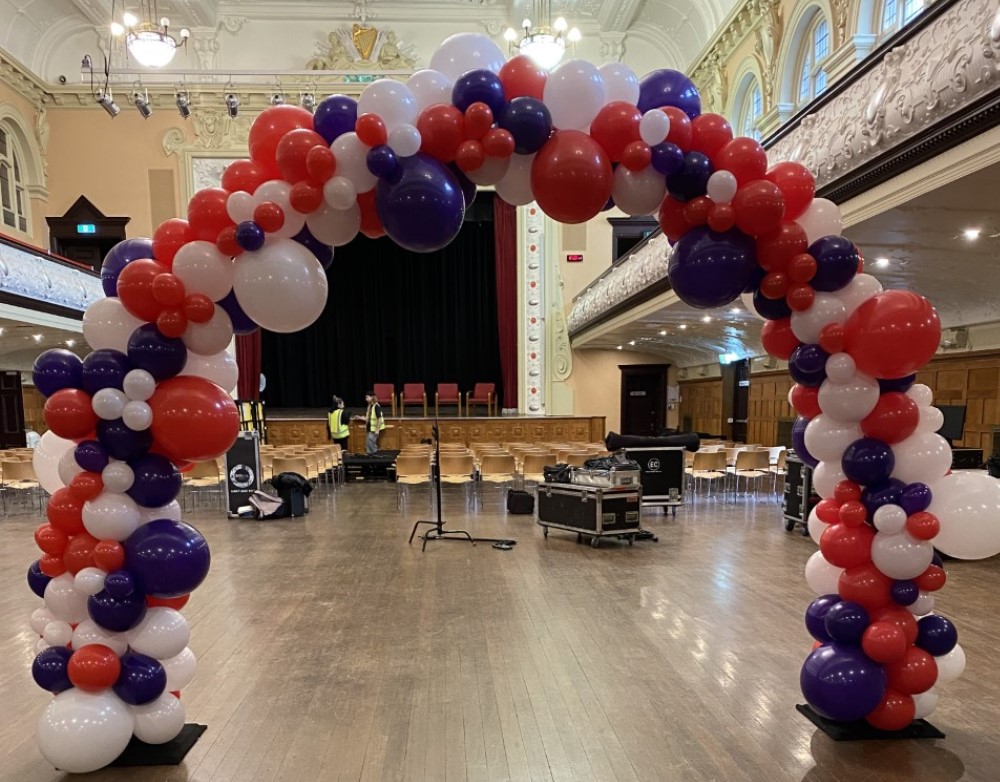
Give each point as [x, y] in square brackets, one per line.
[544, 43]
[149, 42]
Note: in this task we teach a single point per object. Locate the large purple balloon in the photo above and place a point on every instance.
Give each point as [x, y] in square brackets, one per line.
[816, 614]
[242, 324]
[335, 116]
[799, 442]
[120, 442]
[157, 480]
[167, 558]
[836, 262]
[104, 368]
[885, 493]
[57, 369]
[478, 86]
[529, 122]
[846, 622]
[163, 357]
[709, 269]
[423, 211]
[807, 365]
[37, 580]
[469, 188]
[117, 614]
[868, 461]
[770, 309]
[667, 87]
[691, 179]
[91, 456]
[119, 583]
[116, 259]
[841, 683]
[142, 679]
[49, 669]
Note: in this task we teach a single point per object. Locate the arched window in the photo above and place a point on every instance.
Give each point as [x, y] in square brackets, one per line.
[749, 107]
[896, 14]
[815, 48]
[13, 197]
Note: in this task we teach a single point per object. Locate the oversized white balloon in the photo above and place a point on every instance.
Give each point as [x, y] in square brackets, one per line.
[89, 632]
[465, 52]
[821, 218]
[851, 401]
[221, 369]
[621, 84]
[721, 185]
[162, 633]
[68, 468]
[335, 227]
[39, 618]
[968, 506]
[861, 288]
[281, 286]
[170, 511]
[180, 670]
[84, 731]
[890, 519]
[340, 193]
[515, 186]
[89, 580]
[138, 416]
[574, 93]
[827, 438]
[46, 459]
[159, 721]
[108, 403]
[822, 577]
[840, 368]
[203, 269]
[118, 477]
[926, 702]
[391, 100]
[638, 192]
[212, 336]
[826, 309]
[490, 172]
[826, 476]
[57, 633]
[64, 600]
[428, 87]
[239, 206]
[923, 457]
[107, 324]
[352, 161]
[951, 665]
[111, 516]
[139, 385]
[405, 140]
[901, 556]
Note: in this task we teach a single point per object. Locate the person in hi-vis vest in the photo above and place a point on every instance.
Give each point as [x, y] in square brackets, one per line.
[336, 424]
[373, 422]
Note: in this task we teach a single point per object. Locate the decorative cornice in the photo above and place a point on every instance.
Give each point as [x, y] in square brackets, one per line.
[32, 275]
[19, 79]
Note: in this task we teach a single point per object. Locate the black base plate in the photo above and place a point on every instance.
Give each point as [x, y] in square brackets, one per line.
[862, 731]
[139, 753]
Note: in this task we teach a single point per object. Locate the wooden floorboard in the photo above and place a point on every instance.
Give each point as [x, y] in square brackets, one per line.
[329, 649]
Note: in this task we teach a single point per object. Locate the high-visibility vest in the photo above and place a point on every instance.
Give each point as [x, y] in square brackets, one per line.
[338, 429]
[375, 421]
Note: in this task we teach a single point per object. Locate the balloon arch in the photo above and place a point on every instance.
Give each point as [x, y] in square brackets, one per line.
[404, 160]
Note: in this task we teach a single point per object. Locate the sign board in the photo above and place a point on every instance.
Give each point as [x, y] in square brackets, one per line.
[242, 471]
[574, 257]
[86, 228]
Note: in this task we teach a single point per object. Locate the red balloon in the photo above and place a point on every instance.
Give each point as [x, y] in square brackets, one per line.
[269, 128]
[442, 130]
[52, 565]
[759, 207]
[709, 134]
[800, 296]
[198, 308]
[894, 418]
[65, 512]
[802, 268]
[894, 712]
[637, 156]
[172, 323]
[371, 130]
[176, 603]
[892, 334]
[207, 213]
[865, 585]
[306, 197]
[571, 177]
[68, 413]
[883, 642]
[797, 186]
[916, 672]
[832, 337]
[778, 339]
[846, 491]
[321, 165]
[292, 151]
[184, 399]
[522, 77]
[932, 579]
[135, 288]
[109, 555]
[226, 242]
[93, 668]
[269, 216]
[498, 143]
[371, 223]
[774, 285]
[168, 238]
[51, 540]
[853, 514]
[615, 127]
[478, 120]
[168, 290]
[828, 511]
[681, 132]
[845, 546]
[923, 525]
[671, 218]
[805, 400]
[742, 156]
[243, 175]
[79, 552]
[776, 249]
[900, 617]
[697, 210]
[86, 485]
[722, 217]
[470, 155]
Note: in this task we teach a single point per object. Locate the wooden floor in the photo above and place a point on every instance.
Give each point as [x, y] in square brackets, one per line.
[331, 650]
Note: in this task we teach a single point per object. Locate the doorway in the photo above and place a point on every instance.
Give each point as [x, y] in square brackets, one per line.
[84, 234]
[11, 410]
[736, 399]
[643, 398]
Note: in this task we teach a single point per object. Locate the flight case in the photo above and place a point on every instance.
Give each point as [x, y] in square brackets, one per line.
[594, 511]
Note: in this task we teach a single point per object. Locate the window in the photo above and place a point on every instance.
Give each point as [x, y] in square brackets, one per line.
[896, 14]
[815, 50]
[749, 108]
[13, 199]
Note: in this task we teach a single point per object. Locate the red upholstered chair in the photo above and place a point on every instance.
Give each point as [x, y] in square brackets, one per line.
[414, 394]
[447, 394]
[482, 394]
[386, 392]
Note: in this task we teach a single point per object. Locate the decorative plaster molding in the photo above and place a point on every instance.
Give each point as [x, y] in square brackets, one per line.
[533, 295]
[214, 130]
[206, 47]
[562, 353]
[231, 23]
[15, 76]
[494, 27]
[612, 47]
[35, 276]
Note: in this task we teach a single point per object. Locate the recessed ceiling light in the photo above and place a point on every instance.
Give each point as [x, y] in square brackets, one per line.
[972, 233]
[706, 319]
[632, 342]
[619, 348]
[735, 310]
[36, 337]
[882, 262]
[1, 331]
[663, 333]
[683, 326]
[70, 343]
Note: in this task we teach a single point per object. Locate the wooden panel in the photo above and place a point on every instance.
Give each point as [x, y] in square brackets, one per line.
[701, 400]
[972, 380]
[297, 431]
[34, 402]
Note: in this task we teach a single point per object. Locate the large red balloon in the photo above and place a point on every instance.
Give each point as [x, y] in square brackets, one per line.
[442, 129]
[892, 334]
[93, 668]
[847, 546]
[709, 133]
[65, 512]
[51, 539]
[193, 419]
[796, 184]
[916, 672]
[269, 128]
[292, 151]
[521, 76]
[778, 339]
[894, 418]
[615, 127]
[68, 413]
[207, 213]
[865, 585]
[168, 238]
[759, 207]
[243, 175]
[776, 249]
[895, 711]
[672, 219]
[742, 156]
[135, 288]
[571, 177]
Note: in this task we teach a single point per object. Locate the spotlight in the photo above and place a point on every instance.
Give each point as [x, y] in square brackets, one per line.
[141, 101]
[277, 99]
[36, 337]
[106, 102]
[683, 326]
[308, 101]
[706, 319]
[619, 348]
[632, 342]
[183, 105]
[663, 333]
[233, 104]
[882, 263]
[70, 343]
[972, 233]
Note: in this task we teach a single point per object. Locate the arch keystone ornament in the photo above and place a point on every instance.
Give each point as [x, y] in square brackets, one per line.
[117, 562]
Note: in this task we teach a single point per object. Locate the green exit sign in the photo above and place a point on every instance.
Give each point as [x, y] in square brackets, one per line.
[86, 228]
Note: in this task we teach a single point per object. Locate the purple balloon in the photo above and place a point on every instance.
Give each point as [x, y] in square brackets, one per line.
[37, 580]
[167, 558]
[529, 122]
[668, 158]
[868, 461]
[905, 593]
[816, 614]
[423, 211]
[900, 384]
[799, 442]
[117, 614]
[119, 584]
[104, 368]
[807, 365]
[157, 480]
[836, 262]
[936, 635]
[118, 256]
[886, 493]
[846, 622]
[91, 455]
[709, 269]
[937, 560]
[250, 236]
[120, 442]
[242, 324]
[478, 86]
[323, 253]
[469, 188]
[770, 309]
[142, 679]
[382, 162]
[335, 115]
[49, 669]
[57, 369]
[163, 357]
[691, 180]
[841, 683]
[667, 87]
[916, 497]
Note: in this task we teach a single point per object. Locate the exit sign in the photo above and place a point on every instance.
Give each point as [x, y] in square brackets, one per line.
[574, 257]
[86, 228]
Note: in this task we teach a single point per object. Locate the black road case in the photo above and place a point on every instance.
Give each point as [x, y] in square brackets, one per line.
[799, 498]
[662, 475]
[594, 511]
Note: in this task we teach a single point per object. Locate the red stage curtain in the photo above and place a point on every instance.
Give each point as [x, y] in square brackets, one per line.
[248, 361]
[505, 244]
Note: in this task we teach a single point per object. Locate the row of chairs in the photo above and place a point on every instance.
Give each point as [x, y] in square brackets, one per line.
[713, 465]
[446, 394]
[17, 476]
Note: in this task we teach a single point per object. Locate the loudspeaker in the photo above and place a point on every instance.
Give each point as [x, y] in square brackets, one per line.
[966, 458]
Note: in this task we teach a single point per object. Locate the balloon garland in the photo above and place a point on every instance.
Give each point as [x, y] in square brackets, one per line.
[404, 160]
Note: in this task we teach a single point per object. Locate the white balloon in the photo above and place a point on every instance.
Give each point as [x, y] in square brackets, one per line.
[138, 416]
[861, 288]
[621, 84]
[827, 438]
[89, 632]
[68, 468]
[162, 633]
[159, 721]
[826, 308]
[57, 633]
[968, 506]
[923, 605]
[118, 477]
[107, 324]
[279, 192]
[465, 52]
[40, 646]
[574, 93]
[180, 670]
[239, 206]
[654, 127]
[220, 368]
[490, 172]
[281, 286]
[108, 403]
[951, 665]
[822, 577]
[39, 618]
[170, 511]
[405, 140]
[340, 193]
[335, 227]
[89, 580]
[352, 161]
[931, 419]
[821, 218]
[890, 519]
[391, 100]
[816, 526]
[926, 702]
[921, 394]
[428, 88]
[110, 516]
[721, 185]
[64, 601]
[209, 338]
[638, 192]
[46, 458]
[850, 401]
[139, 385]
[203, 269]
[515, 186]
[840, 368]
[84, 731]
[826, 476]
[901, 556]
[923, 457]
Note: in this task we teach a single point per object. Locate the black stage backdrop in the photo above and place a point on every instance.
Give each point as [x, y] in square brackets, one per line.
[395, 317]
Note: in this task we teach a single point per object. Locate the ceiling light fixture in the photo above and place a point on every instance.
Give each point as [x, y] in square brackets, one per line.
[663, 333]
[544, 43]
[36, 337]
[632, 343]
[141, 101]
[232, 104]
[735, 310]
[308, 102]
[683, 326]
[107, 102]
[149, 42]
[972, 234]
[882, 263]
[70, 343]
[706, 319]
[619, 348]
[183, 105]
[277, 99]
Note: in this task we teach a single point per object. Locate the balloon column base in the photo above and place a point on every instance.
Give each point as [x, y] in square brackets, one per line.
[859, 730]
[139, 753]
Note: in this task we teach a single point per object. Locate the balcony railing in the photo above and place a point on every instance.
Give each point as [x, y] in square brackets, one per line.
[32, 278]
